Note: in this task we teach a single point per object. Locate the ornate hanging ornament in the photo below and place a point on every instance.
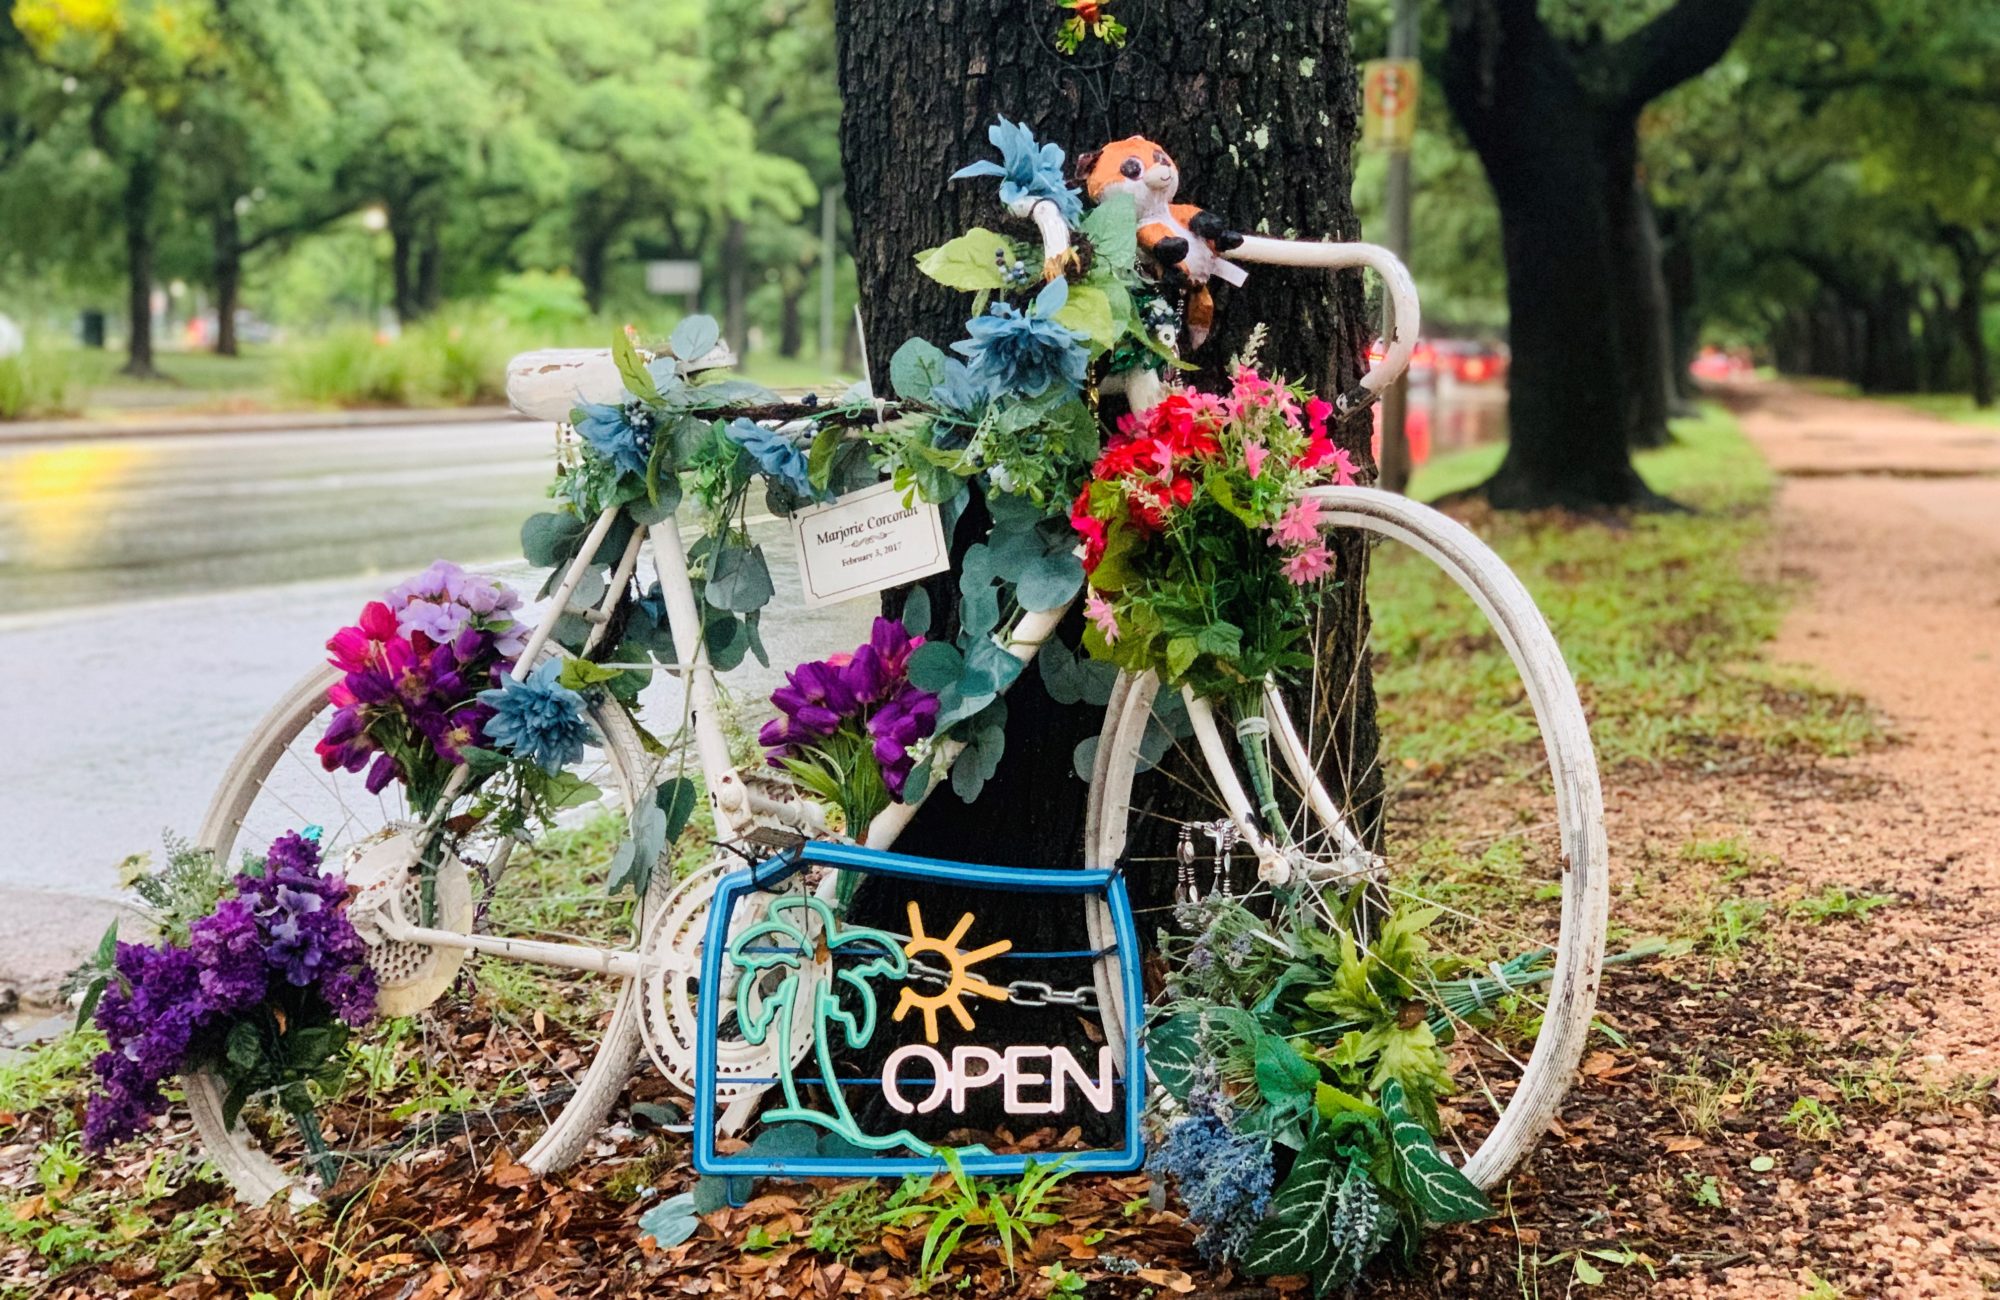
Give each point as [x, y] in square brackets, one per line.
[1089, 19]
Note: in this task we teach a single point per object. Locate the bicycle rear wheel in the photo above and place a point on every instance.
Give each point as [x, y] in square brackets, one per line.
[1521, 907]
[471, 1053]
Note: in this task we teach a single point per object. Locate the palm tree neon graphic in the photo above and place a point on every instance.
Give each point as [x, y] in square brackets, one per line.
[798, 928]
[780, 942]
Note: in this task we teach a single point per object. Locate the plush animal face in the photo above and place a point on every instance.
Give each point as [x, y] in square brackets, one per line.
[1134, 166]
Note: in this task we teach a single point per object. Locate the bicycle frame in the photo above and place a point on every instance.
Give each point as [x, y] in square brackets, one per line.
[547, 384]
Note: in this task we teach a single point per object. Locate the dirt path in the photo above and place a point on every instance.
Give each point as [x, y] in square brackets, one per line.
[1890, 1022]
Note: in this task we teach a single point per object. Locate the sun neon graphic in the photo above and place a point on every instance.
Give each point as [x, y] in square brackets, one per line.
[962, 980]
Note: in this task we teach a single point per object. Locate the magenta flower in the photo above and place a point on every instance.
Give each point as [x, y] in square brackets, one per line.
[841, 715]
[1298, 526]
[1254, 454]
[1308, 565]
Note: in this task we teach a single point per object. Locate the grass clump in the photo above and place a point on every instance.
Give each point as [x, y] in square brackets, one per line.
[456, 358]
[1835, 903]
[1660, 618]
[33, 382]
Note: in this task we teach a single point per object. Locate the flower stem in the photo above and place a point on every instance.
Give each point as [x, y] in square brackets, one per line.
[324, 1162]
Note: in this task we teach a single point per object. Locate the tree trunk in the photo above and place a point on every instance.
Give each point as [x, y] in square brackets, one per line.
[1538, 136]
[591, 249]
[1259, 119]
[1973, 263]
[1889, 356]
[142, 180]
[1638, 297]
[735, 277]
[228, 275]
[402, 265]
[1678, 279]
[791, 323]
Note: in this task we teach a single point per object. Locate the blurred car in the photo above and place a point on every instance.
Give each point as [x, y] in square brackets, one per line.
[1455, 387]
[1714, 363]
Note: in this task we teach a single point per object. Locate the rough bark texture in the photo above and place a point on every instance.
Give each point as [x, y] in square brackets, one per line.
[1256, 103]
[1553, 125]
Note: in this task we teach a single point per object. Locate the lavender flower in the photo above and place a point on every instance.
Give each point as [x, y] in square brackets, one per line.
[1026, 353]
[171, 1008]
[538, 718]
[1225, 1181]
[1027, 170]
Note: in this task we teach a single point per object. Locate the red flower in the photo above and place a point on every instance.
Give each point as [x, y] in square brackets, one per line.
[1150, 503]
[1090, 528]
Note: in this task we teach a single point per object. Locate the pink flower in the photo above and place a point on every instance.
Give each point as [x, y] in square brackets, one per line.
[1317, 409]
[1309, 565]
[1343, 467]
[1298, 526]
[1098, 610]
[1253, 457]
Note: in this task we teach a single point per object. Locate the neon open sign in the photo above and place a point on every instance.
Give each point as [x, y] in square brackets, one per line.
[780, 966]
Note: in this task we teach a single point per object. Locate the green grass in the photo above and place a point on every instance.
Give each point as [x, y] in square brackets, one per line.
[1660, 617]
[1956, 407]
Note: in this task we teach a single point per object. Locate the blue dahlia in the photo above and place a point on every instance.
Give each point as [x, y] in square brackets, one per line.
[778, 456]
[621, 432]
[538, 718]
[1027, 169]
[1026, 353]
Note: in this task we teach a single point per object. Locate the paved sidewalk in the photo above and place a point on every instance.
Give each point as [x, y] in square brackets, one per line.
[155, 425]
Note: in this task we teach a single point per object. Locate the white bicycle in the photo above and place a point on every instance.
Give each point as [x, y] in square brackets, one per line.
[515, 1015]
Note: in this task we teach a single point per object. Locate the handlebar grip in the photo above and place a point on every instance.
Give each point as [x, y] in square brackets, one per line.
[1402, 290]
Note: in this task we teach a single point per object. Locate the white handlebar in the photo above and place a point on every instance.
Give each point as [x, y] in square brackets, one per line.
[1396, 279]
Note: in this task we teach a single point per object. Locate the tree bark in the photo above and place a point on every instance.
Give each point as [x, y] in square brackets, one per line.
[1678, 278]
[1641, 299]
[1260, 118]
[402, 266]
[142, 181]
[228, 276]
[791, 322]
[1553, 126]
[1889, 354]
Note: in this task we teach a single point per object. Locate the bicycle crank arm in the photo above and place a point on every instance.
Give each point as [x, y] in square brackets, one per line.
[569, 956]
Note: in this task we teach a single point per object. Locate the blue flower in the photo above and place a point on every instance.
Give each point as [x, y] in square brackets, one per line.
[1225, 1181]
[1026, 353]
[961, 391]
[621, 432]
[538, 718]
[778, 456]
[1026, 170]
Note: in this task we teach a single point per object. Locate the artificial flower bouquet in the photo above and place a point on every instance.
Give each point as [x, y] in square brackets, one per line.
[427, 687]
[1198, 541]
[258, 978]
[850, 727]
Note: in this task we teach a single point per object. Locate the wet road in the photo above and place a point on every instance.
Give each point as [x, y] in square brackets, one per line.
[156, 595]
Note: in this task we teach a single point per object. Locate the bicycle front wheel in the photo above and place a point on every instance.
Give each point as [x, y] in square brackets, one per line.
[1520, 901]
[469, 1054]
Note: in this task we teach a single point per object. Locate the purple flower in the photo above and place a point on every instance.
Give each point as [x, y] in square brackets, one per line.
[909, 716]
[814, 701]
[1225, 1181]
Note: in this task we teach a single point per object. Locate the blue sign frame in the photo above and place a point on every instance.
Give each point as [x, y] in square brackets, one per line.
[1109, 885]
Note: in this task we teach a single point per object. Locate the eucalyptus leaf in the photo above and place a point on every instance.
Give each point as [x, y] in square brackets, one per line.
[934, 665]
[1113, 228]
[694, 338]
[672, 1221]
[1049, 582]
[676, 799]
[739, 579]
[916, 368]
[917, 612]
[550, 539]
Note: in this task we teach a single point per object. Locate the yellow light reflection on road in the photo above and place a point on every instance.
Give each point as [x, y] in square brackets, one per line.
[57, 494]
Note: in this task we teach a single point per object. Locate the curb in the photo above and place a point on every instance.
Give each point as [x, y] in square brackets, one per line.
[31, 431]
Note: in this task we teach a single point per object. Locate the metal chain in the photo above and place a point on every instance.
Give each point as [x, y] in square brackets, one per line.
[1022, 993]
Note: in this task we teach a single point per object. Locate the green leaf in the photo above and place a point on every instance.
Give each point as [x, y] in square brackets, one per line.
[1113, 228]
[915, 369]
[1173, 1050]
[1443, 1193]
[1282, 1074]
[1217, 487]
[694, 338]
[1049, 581]
[1088, 312]
[673, 1220]
[244, 1047]
[676, 800]
[632, 370]
[819, 461]
[659, 506]
[581, 674]
[550, 539]
[739, 579]
[972, 261]
[565, 790]
[917, 612]
[1587, 1273]
[935, 665]
[727, 638]
[1293, 1236]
